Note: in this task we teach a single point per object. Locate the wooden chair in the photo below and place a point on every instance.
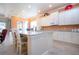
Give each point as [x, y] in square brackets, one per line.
[14, 40]
[20, 43]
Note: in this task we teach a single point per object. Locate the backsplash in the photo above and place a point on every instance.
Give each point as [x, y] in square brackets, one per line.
[61, 27]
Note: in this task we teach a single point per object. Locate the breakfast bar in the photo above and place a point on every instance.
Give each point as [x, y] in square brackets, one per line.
[39, 42]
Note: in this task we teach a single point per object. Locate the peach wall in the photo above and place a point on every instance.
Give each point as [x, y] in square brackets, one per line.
[14, 21]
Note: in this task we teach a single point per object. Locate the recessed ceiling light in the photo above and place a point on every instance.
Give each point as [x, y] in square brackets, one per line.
[39, 11]
[50, 6]
[43, 10]
[23, 11]
[29, 6]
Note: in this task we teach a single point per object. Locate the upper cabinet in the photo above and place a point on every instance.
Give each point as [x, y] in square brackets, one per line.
[69, 17]
[52, 19]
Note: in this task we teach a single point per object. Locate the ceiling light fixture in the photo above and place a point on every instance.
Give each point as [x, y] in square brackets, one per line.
[50, 6]
[23, 11]
[29, 6]
[39, 11]
[68, 7]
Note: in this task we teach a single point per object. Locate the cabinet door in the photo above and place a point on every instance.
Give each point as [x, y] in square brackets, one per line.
[58, 35]
[53, 18]
[62, 36]
[41, 43]
[66, 36]
[61, 18]
[75, 37]
[69, 17]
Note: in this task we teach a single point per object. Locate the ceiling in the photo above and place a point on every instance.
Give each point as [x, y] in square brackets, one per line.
[26, 9]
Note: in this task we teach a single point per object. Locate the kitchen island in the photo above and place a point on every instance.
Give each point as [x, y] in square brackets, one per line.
[39, 42]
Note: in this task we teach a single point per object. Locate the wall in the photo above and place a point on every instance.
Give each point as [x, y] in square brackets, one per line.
[14, 21]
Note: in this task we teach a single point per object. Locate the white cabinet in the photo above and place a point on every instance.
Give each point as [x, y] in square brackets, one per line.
[41, 43]
[75, 37]
[72, 37]
[61, 18]
[69, 17]
[62, 36]
[52, 19]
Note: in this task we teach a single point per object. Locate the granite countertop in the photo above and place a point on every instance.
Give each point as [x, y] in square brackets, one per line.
[35, 32]
[32, 32]
[39, 32]
[66, 31]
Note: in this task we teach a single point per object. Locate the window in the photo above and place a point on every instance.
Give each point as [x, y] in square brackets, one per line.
[2, 26]
[34, 25]
[22, 27]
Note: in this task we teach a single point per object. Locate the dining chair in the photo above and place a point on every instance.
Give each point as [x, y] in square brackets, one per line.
[3, 35]
[20, 43]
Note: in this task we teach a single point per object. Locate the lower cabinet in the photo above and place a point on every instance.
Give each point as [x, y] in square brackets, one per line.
[72, 37]
[75, 37]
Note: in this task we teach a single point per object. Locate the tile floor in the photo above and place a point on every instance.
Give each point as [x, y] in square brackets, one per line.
[63, 48]
[6, 48]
